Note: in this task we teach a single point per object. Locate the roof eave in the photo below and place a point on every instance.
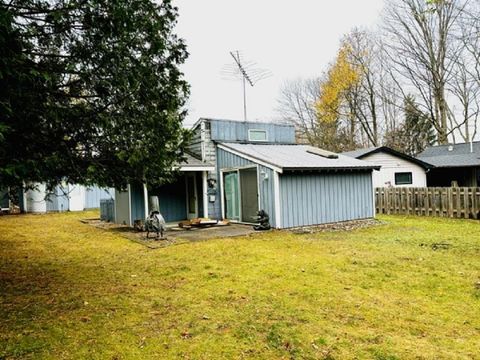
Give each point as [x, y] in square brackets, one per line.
[391, 151]
[319, 168]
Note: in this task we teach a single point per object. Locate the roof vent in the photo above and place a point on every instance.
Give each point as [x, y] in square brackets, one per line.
[321, 152]
[450, 147]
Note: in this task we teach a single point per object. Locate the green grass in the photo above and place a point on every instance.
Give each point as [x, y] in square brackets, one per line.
[68, 290]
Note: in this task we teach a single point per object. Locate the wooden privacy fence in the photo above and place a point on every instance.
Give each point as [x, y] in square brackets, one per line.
[458, 202]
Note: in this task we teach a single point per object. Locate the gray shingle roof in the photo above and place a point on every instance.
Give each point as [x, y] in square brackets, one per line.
[192, 163]
[360, 152]
[363, 153]
[459, 156]
[297, 157]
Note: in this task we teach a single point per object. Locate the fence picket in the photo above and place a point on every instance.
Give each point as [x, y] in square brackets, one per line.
[453, 202]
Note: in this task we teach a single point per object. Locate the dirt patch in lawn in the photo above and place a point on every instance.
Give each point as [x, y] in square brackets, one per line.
[174, 235]
[339, 226]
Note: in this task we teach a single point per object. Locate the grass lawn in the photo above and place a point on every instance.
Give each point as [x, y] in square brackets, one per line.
[68, 290]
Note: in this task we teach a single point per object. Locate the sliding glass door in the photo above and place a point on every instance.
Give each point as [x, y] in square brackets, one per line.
[232, 196]
[241, 194]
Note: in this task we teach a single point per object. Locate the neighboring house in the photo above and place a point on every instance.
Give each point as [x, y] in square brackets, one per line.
[65, 197]
[237, 168]
[458, 163]
[397, 169]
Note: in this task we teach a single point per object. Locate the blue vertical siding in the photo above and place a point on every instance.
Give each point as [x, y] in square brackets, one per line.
[172, 200]
[321, 198]
[227, 130]
[4, 199]
[227, 160]
[137, 198]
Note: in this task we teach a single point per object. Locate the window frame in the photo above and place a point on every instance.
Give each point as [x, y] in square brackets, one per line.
[257, 130]
[404, 173]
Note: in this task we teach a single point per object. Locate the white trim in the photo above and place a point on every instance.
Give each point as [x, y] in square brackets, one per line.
[222, 200]
[145, 199]
[262, 130]
[258, 187]
[205, 194]
[202, 140]
[277, 205]
[196, 168]
[130, 222]
[252, 159]
[373, 196]
[240, 211]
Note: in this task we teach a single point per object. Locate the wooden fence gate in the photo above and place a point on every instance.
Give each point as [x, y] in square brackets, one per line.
[458, 202]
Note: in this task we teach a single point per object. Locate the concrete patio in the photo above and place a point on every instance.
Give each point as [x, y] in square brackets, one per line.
[174, 234]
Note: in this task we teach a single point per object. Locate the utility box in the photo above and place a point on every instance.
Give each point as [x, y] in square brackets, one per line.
[107, 210]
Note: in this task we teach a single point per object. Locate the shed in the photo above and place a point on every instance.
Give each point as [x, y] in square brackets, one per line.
[297, 185]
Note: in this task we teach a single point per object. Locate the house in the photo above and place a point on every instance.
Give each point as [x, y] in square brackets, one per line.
[397, 169]
[453, 164]
[237, 168]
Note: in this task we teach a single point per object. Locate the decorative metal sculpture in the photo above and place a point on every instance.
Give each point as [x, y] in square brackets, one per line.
[155, 223]
[263, 221]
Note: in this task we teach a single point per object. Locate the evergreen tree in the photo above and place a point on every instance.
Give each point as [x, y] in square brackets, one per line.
[90, 91]
[418, 131]
[415, 133]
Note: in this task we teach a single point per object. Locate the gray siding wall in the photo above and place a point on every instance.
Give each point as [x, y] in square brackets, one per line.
[122, 208]
[94, 194]
[225, 130]
[58, 199]
[195, 145]
[321, 198]
[226, 160]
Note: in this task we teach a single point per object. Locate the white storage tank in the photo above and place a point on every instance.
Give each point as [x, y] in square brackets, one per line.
[76, 194]
[35, 199]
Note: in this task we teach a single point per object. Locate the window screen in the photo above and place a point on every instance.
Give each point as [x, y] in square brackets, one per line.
[257, 135]
[404, 178]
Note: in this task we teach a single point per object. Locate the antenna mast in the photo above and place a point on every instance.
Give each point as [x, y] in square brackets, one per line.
[247, 72]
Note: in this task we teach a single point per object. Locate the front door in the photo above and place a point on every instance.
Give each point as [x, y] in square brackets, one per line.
[192, 204]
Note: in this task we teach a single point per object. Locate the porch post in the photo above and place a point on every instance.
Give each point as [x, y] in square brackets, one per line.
[145, 199]
[205, 193]
[277, 205]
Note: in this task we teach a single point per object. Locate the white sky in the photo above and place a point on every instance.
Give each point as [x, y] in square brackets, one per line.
[290, 38]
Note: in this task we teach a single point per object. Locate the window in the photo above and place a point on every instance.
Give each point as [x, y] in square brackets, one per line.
[257, 135]
[404, 178]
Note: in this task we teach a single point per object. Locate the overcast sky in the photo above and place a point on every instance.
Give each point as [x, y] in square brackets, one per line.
[290, 38]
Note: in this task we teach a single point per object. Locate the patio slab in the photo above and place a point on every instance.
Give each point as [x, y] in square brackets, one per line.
[174, 235]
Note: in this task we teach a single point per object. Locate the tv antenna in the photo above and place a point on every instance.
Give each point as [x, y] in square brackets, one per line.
[247, 72]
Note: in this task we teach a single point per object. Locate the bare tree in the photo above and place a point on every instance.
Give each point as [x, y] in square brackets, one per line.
[423, 48]
[296, 105]
[466, 84]
[363, 101]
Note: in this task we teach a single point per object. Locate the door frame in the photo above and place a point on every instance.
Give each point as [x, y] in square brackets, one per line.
[187, 197]
[222, 187]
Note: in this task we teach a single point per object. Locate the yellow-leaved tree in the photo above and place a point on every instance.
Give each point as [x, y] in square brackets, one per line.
[342, 77]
